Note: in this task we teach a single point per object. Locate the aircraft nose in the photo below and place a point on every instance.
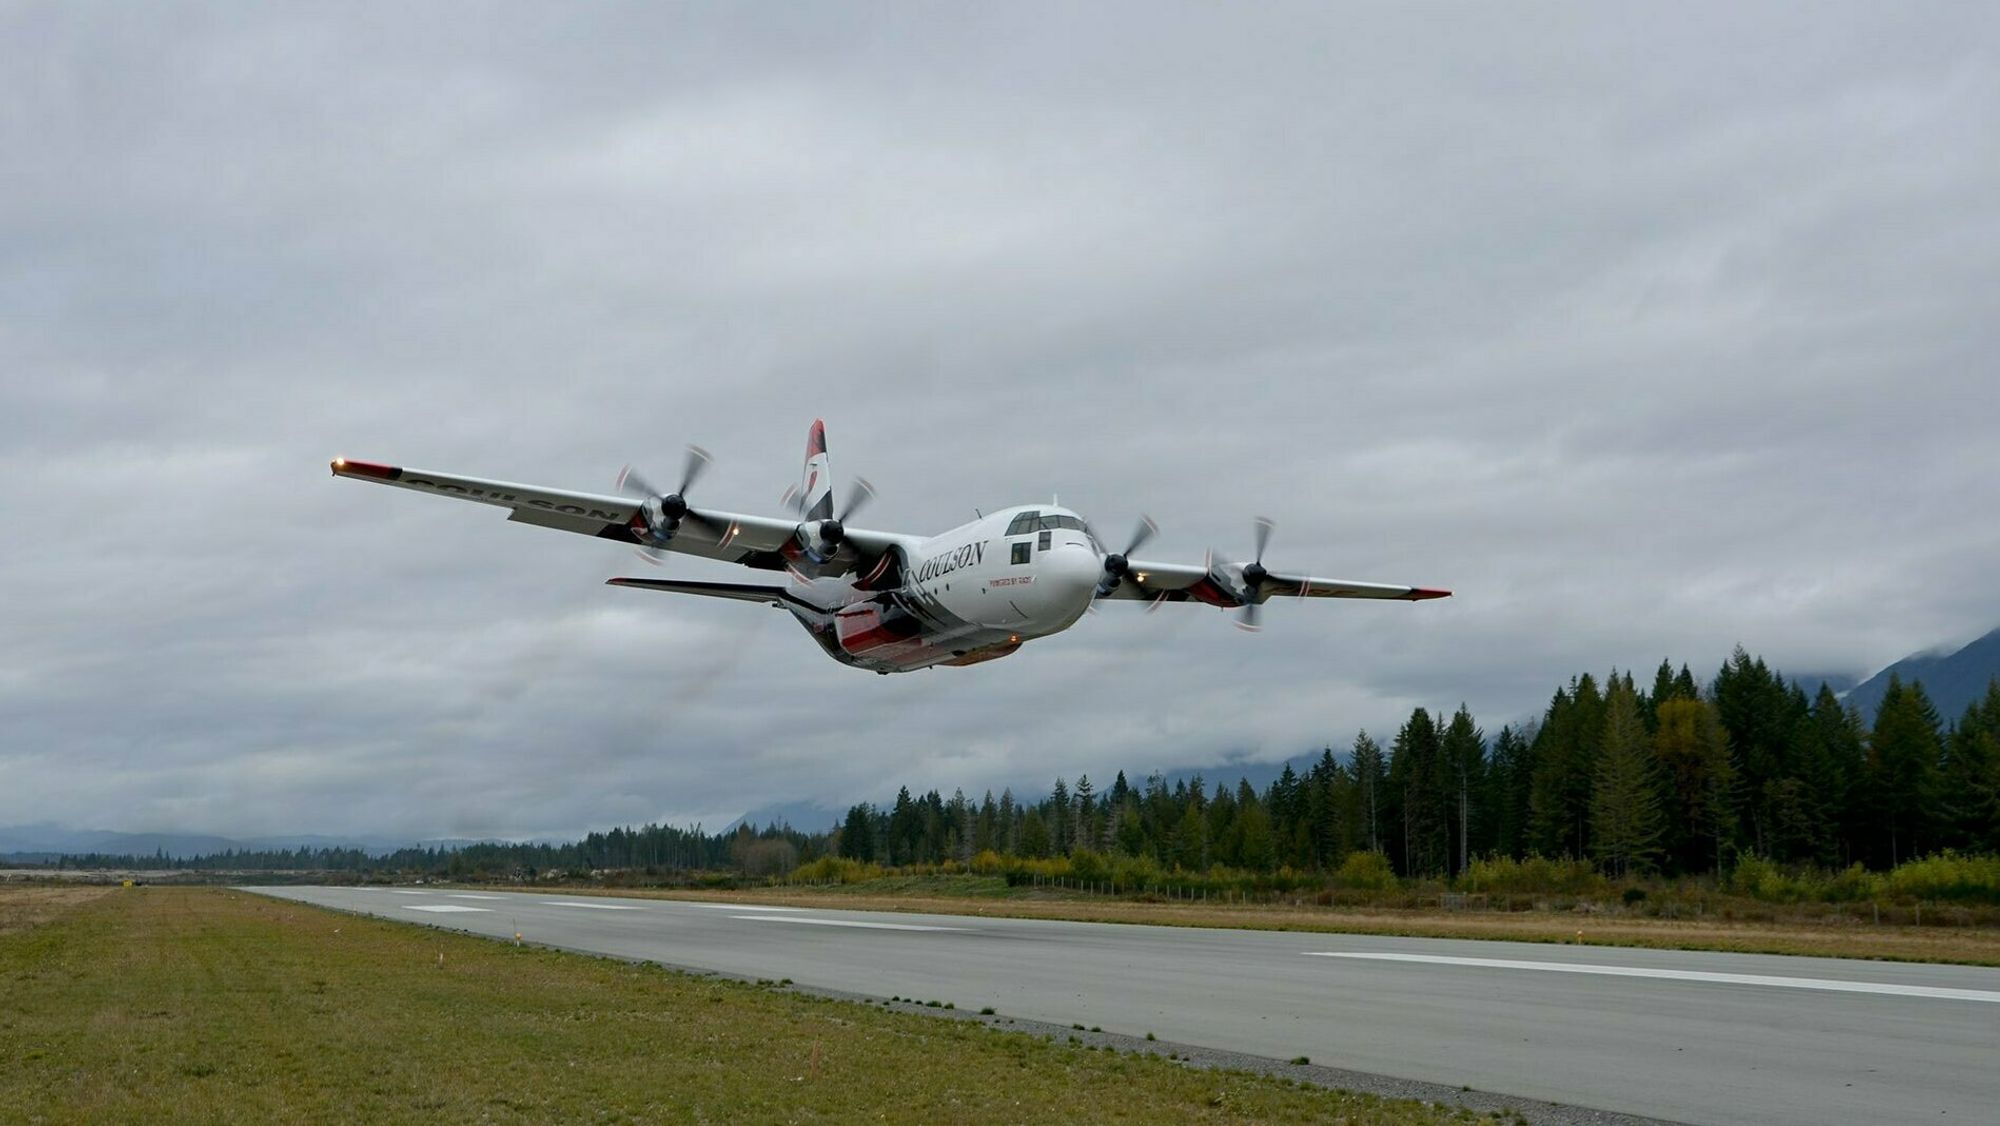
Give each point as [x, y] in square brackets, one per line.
[1072, 572]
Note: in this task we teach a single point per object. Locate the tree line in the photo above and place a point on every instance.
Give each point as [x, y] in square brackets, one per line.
[1675, 778]
[662, 849]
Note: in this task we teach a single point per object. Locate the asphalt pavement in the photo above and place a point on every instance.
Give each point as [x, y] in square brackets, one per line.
[1679, 1035]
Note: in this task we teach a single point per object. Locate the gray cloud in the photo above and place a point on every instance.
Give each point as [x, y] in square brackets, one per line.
[1648, 334]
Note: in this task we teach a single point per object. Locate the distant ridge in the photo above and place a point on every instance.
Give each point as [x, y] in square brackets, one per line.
[1951, 680]
[44, 842]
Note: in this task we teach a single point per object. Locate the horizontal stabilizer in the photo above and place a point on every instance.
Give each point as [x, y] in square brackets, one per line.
[744, 592]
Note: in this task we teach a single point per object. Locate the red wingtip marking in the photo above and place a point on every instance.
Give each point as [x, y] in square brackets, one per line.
[1421, 593]
[348, 467]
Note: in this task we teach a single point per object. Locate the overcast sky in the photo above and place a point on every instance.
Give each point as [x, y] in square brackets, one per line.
[1647, 334]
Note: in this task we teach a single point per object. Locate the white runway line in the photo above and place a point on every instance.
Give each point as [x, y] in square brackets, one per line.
[592, 906]
[468, 895]
[1829, 985]
[442, 907]
[842, 923]
[734, 906]
[407, 891]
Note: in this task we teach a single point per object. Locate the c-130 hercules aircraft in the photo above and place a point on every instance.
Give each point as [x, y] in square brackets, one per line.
[883, 600]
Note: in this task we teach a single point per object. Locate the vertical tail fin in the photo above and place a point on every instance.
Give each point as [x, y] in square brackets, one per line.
[816, 482]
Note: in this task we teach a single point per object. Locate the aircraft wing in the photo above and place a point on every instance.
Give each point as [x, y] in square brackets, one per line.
[762, 542]
[1223, 586]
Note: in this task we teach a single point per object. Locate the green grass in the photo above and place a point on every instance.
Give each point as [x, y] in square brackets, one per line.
[197, 1004]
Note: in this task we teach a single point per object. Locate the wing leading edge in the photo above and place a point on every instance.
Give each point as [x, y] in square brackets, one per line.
[762, 542]
[1182, 582]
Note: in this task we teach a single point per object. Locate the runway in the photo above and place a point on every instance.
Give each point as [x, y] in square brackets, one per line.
[1685, 1036]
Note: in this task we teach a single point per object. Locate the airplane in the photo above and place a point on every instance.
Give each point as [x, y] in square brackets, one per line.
[885, 601]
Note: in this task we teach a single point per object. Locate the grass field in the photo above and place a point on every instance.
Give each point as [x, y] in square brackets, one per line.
[1854, 937]
[205, 1004]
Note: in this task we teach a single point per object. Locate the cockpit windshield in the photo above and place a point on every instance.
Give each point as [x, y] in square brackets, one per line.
[1028, 523]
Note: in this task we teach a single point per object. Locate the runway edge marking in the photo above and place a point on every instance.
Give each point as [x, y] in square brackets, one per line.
[843, 923]
[1827, 985]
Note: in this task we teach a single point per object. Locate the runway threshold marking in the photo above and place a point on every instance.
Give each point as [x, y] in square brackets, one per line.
[592, 906]
[442, 907]
[1828, 985]
[842, 923]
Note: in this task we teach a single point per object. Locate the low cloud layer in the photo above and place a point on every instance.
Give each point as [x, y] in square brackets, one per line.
[1647, 334]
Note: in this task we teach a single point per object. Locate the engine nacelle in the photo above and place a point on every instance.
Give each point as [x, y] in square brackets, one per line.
[820, 540]
[663, 519]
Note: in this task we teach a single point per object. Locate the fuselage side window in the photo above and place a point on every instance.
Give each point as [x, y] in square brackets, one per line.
[1042, 541]
[1021, 551]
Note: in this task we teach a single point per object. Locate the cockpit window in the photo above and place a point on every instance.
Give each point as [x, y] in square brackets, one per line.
[1028, 523]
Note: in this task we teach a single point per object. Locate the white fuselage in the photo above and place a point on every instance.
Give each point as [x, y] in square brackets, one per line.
[970, 594]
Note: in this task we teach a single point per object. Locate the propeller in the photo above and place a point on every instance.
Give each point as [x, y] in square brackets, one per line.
[1118, 563]
[833, 531]
[665, 512]
[1254, 574]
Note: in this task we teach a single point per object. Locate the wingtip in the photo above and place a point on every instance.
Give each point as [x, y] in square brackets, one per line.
[348, 467]
[1419, 594]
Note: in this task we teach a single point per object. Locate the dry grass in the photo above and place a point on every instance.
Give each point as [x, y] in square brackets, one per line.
[1851, 938]
[30, 905]
[198, 1004]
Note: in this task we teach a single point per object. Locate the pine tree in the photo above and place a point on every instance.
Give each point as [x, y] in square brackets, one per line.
[1693, 753]
[1371, 776]
[1970, 777]
[1034, 834]
[1903, 755]
[1509, 779]
[1463, 774]
[857, 837]
[1083, 830]
[1565, 754]
[1414, 773]
[1625, 802]
[1189, 845]
[1258, 851]
[1061, 819]
[1009, 834]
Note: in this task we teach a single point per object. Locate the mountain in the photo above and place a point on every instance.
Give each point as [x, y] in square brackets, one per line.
[1951, 680]
[47, 840]
[805, 816]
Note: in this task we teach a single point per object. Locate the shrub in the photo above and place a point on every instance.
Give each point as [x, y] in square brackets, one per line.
[1851, 886]
[1760, 879]
[1088, 866]
[836, 869]
[1366, 871]
[1536, 875]
[1946, 875]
